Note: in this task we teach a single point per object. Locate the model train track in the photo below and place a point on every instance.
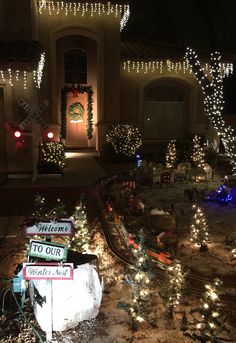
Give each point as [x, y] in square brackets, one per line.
[195, 283]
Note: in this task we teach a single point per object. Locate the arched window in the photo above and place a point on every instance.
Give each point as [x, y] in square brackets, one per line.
[75, 64]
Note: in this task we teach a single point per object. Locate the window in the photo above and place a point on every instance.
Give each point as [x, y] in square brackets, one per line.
[75, 64]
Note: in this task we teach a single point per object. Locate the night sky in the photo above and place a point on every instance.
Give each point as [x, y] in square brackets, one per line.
[205, 25]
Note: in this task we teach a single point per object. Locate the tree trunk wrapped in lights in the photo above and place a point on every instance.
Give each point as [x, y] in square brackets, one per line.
[139, 279]
[207, 323]
[198, 156]
[171, 154]
[212, 87]
[199, 234]
[173, 286]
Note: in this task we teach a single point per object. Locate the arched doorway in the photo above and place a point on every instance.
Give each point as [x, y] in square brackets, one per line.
[76, 57]
[165, 110]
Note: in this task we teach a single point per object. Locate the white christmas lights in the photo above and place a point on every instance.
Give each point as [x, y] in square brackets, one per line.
[86, 8]
[199, 234]
[211, 82]
[198, 153]
[39, 72]
[144, 67]
[171, 154]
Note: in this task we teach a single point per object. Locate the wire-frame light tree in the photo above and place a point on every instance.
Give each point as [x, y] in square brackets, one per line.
[207, 322]
[211, 82]
[198, 155]
[171, 154]
[199, 233]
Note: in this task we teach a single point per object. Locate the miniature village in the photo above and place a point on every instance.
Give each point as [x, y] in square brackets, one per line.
[151, 258]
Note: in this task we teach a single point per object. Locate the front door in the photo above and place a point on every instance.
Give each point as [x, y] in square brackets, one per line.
[76, 120]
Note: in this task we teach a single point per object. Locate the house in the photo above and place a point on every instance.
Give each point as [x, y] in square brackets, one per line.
[65, 74]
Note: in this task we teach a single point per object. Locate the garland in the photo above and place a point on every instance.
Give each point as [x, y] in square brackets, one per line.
[80, 89]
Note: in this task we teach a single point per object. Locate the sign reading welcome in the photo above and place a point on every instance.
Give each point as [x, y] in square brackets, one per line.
[47, 271]
[48, 250]
[52, 228]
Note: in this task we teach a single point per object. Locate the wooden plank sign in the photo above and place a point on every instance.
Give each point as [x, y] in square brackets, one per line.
[52, 228]
[48, 271]
[48, 250]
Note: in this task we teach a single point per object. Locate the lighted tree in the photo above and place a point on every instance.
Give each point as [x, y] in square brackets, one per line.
[211, 82]
[199, 233]
[198, 155]
[139, 278]
[173, 285]
[171, 154]
[124, 139]
[207, 323]
[39, 206]
[40, 210]
[81, 237]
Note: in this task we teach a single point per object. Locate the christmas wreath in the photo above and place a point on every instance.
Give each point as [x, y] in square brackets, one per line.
[76, 111]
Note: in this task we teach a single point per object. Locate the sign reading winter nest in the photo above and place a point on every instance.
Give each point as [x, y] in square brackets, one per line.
[48, 271]
[49, 251]
[76, 112]
[52, 228]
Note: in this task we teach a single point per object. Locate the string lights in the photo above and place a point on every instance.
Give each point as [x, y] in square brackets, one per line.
[86, 8]
[171, 154]
[173, 286]
[161, 66]
[198, 156]
[207, 322]
[125, 139]
[80, 239]
[12, 75]
[199, 234]
[211, 81]
[52, 156]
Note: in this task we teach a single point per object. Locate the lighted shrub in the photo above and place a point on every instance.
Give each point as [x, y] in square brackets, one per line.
[123, 140]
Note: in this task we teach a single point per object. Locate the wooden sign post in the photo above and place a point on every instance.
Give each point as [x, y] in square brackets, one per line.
[48, 271]
[51, 228]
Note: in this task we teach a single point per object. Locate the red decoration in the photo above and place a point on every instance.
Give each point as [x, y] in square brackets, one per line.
[75, 91]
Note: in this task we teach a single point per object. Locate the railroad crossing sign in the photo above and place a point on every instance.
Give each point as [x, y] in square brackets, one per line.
[33, 113]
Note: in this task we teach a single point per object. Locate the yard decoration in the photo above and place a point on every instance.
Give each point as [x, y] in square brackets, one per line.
[206, 323]
[199, 234]
[51, 157]
[171, 155]
[124, 139]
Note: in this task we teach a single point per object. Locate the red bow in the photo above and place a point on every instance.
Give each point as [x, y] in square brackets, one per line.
[75, 91]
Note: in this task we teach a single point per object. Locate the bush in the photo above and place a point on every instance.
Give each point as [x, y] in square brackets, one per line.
[51, 158]
[184, 149]
[122, 141]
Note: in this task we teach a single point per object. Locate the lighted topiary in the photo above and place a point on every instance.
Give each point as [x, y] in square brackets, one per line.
[124, 139]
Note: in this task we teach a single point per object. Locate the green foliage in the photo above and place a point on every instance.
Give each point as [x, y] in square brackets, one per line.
[211, 157]
[172, 287]
[139, 278]
[40, 210]
[52, 157]
[161, 153]
[207, 323]
[81, 237]
[184, 148]
[123, 141]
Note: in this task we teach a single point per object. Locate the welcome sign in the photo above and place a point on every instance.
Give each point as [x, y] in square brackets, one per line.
[48, 250]
[48, 271]
[52, 228]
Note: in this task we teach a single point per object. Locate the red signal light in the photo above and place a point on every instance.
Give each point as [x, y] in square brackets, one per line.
[50, 135]
[17, 134]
